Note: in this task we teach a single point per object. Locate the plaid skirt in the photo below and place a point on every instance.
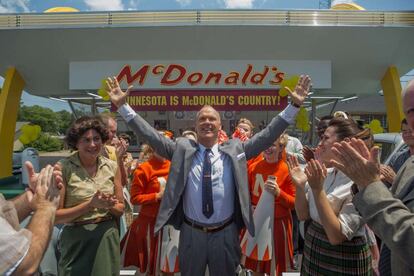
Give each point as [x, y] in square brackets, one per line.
[321, 258]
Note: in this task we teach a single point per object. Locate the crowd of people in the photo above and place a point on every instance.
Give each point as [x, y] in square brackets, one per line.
[210, 203]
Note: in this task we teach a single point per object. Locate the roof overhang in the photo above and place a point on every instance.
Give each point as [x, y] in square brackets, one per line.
[360, 55]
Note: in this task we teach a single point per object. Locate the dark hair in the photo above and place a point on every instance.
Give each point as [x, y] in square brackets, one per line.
[404, 122]
[344, 128]
[125, 137]
[326, 118]
[82, 125]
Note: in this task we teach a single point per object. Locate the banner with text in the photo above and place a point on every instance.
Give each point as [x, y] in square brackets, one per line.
[190, 100]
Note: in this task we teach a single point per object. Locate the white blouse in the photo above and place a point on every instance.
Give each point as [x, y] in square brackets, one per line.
[337, 187]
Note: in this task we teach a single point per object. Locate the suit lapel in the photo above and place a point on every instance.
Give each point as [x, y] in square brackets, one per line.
[188, 160]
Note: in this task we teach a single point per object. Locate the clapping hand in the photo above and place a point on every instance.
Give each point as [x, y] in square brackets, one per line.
[387, 174]
[102, 200]
[357, 162]
[46, 191]
[316, 174]
[301, 91]
[296, 173]
[118, 97]
[34, 179]
[308, 153]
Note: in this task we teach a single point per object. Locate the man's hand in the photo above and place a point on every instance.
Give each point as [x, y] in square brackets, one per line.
[47, 192]
[316, 174]
[295, 172]
[301, 91]
[357, 162]
[118, 97]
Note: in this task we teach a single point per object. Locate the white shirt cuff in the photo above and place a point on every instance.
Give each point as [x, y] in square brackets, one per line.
[289, 113]
[127, 112]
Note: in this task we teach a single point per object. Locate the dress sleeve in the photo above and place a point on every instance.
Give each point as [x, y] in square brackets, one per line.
[139, 195]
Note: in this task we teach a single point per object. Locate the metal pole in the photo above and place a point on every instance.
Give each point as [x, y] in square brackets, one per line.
[73, 109]
[313, 121]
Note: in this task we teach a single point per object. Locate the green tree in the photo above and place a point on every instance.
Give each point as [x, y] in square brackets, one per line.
[65, 119]
[45, 142]
[44, 117]
[50, 121]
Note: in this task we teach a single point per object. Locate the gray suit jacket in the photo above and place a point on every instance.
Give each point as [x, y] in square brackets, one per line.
[391, 216]
[181, 154]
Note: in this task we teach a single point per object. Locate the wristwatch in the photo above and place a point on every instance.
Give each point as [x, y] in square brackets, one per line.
[294, 104]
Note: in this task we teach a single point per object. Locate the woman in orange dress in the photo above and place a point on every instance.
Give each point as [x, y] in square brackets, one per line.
[140, 246]
[274, 164]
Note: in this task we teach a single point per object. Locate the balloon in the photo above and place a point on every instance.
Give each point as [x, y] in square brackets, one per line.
[29, 133]
[291, 83]
[375, 126]
[102, 91]
[302, 120]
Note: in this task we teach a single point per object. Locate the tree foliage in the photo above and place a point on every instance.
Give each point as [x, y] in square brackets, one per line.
[45, 142]
[50, 121]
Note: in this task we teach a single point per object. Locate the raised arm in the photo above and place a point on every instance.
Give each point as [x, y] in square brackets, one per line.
[163, 146]
[275, 128]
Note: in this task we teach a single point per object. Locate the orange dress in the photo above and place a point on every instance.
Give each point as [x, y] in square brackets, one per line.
[140, 244]
[282, 237]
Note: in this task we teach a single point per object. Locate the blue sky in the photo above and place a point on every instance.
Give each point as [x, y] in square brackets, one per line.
[19, 6]
[100, 5]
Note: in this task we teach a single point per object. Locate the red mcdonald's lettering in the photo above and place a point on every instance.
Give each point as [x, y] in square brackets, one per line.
[195, 78]
[140, 74]
[278, 78]
[166, 78]
[158, 69]
[259, 77]
[232, 78]
[247, 73]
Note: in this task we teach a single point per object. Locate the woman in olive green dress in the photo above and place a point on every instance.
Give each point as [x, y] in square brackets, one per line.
[91, 201]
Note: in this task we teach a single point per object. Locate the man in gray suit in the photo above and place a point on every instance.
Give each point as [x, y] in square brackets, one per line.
[390, 214]
[207, 195]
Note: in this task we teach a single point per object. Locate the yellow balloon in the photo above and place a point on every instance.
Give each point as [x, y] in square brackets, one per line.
[302, 120]
[29, 133]
[102, 91]
[291, 83]
[375, 126]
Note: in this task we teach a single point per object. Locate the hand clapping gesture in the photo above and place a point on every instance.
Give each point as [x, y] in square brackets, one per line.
[295, 172]
[316, 174]
[102, 200]
[357, 162]
[301, 91]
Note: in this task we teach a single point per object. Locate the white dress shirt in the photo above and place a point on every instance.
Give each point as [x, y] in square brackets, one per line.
[222, 184]
[222, 177]
[337, 187]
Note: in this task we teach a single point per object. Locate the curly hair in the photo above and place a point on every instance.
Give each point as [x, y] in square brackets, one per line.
[82, 125]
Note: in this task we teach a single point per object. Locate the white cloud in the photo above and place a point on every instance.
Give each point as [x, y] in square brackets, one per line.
[183, 3]
[238, 4]
[133, 5]
[105, 5]
[7, 6]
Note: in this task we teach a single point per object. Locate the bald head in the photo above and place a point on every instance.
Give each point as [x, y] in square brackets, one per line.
[208, 124]
[408, 103]
[208, 108]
